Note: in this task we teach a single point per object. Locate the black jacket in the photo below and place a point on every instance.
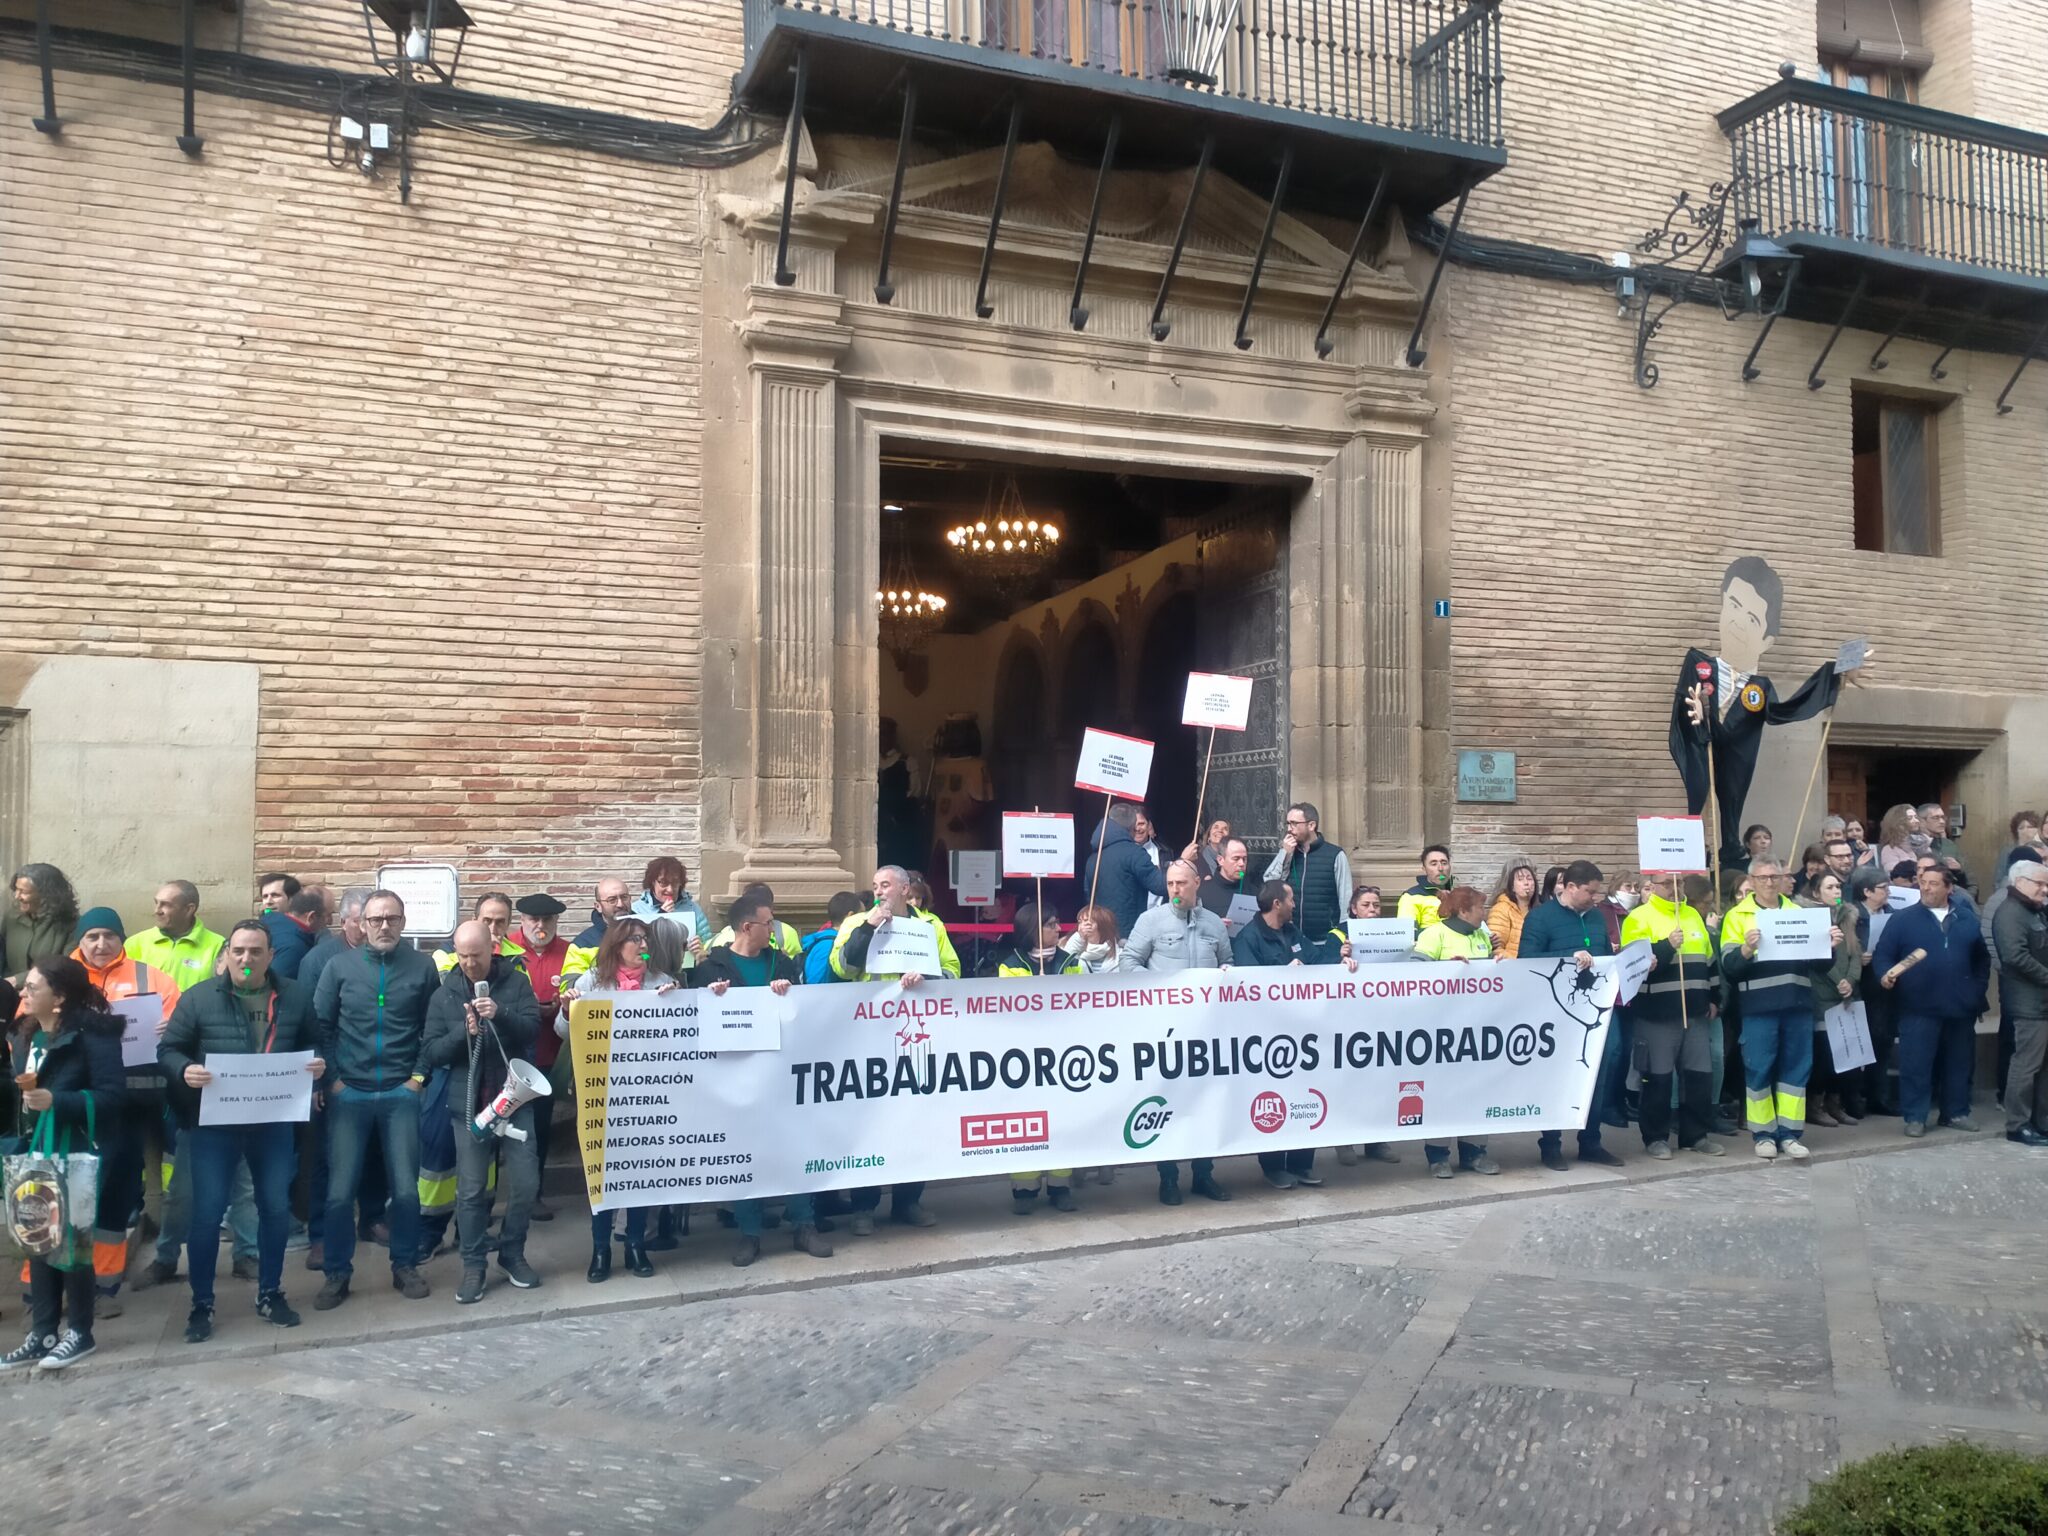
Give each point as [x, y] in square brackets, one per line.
[1259, 943]
[719, 965]
[86, 1058]
[1734, 735]
[208, 1020]
[372, 1010]
[1128, 876]
[2019, 935]
[447, 1033]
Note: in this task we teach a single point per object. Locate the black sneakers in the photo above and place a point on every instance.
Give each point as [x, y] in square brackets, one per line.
[332, 1294]
[273, 1308]
[32, 1349]
[409, 1282]
[518, 1271]
[199, 1325]
[471, 1290]
[71, 1349]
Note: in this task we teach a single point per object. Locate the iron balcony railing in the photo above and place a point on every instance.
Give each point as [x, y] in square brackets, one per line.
[1428, 67]
[1817, 160]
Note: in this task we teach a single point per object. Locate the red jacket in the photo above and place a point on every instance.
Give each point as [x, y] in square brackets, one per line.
[544, 970]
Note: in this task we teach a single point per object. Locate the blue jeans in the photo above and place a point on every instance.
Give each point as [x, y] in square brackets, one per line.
[178, 1204]
[797, 1210]
[1777, 1060]
[371, 1194]
[1608, 1075]
[354, 1115]
[215, 1153]
[1931, 1045]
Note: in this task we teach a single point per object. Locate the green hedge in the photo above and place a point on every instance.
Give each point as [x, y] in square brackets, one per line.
[1933, 1490]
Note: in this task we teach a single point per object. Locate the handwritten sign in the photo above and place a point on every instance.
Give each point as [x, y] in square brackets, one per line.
[745, 1019]
[1113, 764]
[1794, 933]
[1849, 1040]
[255, 1089]
[903, 946]
[1038, 845]
[1636, 960]
[1217, 700]
[1381, 939]
[976, 873]
[140, 1016]
[1243, 909]
[1852, 656]
[1671, 845]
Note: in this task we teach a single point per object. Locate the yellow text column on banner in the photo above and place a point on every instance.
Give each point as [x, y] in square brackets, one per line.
[590, 1043]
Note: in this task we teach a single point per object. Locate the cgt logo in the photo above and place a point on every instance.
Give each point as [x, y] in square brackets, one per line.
[1408, 1111]
[1020, 1128]
[1145, 1123]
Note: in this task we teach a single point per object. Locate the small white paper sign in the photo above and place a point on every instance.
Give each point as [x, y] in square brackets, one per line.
[1849, 1037]
[1877, 922]
[745, 1019]
[140, 1016]
[1217, 699]
[1038, 845]
[256, 1089]
[1899, 898]
[1852, 655]
[901, 946]
[1243, 909]
[1633, 966]
[1671, 845]
[1113, 764]
[1794, 933]
[976, 876]
[1381, 938]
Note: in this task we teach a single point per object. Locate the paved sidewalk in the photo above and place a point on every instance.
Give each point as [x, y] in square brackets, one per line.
[1669, 1348]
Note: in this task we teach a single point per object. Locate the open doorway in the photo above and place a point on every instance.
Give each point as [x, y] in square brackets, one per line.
[1147, 579]
[1868, 781]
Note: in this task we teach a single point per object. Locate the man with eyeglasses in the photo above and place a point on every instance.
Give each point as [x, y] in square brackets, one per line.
[1777, 1016]
[372, 1010]
[1319, 873]
[2019, 937]
[614, 899]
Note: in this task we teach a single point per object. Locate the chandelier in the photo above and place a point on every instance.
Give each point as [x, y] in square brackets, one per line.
[907, 614]
[1005, 546]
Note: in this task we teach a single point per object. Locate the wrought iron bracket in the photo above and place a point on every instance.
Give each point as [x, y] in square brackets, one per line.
[1325, 346]
[1692, 235]
[982, 308]
[1161, 326]
[49, 123]
[1416, 353]
[885, 291]
[1878, 361]
[1750, 372]
[1077, 316]
[2026, 357]
[1243, 340]
[1934, 369]
[1813, 375]
[793, 143]
[189, 141]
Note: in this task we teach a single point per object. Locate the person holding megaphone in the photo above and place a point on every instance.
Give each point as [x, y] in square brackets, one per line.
[481, 1021]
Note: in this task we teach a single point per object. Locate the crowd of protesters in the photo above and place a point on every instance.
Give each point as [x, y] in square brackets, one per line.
[407, 1046]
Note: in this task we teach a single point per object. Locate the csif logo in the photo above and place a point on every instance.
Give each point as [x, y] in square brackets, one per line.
[1408, 1110]
[1146, 1121]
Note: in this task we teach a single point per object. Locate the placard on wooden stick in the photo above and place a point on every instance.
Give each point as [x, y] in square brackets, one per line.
[1114, 765]
[1038, 845]
[1217, 700]
[1671, 845]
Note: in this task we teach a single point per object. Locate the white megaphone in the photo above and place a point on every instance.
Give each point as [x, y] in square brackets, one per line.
[523, 1084]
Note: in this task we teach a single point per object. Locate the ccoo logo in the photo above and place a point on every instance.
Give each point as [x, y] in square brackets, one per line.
[1408, 1111]
[1020, 1128]
[1145, 1123]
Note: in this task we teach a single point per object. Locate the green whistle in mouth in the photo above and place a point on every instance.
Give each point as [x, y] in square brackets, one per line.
[246, 973]
[645, 957]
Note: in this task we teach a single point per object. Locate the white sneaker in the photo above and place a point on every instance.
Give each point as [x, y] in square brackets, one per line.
[1796, 1150]
[1660, 1150]
[1767, 1150]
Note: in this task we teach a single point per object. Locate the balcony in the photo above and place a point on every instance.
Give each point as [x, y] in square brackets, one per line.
[1355, 87]
[1929, 221]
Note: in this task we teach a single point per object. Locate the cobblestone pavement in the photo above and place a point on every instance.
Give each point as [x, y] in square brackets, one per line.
[1673, 1356]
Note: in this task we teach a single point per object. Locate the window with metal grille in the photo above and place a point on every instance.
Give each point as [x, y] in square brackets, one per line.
[1895, 475]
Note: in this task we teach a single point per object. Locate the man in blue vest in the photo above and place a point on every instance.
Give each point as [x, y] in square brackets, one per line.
[1320, 874]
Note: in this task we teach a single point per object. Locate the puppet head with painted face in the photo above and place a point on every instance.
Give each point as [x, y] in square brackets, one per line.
[1752, 597]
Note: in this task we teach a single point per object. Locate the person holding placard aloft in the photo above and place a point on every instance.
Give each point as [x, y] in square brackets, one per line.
[1933, 959]
[1777, 1015]
[1119, 874]
[1675, 1023]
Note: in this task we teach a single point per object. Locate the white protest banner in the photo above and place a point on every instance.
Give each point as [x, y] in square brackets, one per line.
[256, 1089]
[140, 1015]
[744, 1019]
[1113, 764]
[1671, 845]
[1243, 909]
[1636, 960]
[903, 946]
[976, 876]
[1058, 1071]
[1794, 933]
[1381, 939]
[1038, 845]
[1218, 700]
[1900, 898]
[1849, 1043]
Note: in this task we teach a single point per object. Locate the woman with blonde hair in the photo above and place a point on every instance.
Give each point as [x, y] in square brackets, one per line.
[1513, 896]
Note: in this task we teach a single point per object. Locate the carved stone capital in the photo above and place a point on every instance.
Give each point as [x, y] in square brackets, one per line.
[789, 329]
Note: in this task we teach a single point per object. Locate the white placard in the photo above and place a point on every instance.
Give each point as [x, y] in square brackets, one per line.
[1038, 845]
[1635, 962]
[1381, 939]
[1216, 699]
[1877, 922]
[256, 1089]
[976, 876]
[432, 894]
[1113, 764]
[1671, 845]
[1849, 1037]
[901, 946]
[1243, 909]
[1897, 899]
[745, 1019]
[140, 1016]
[1795, 933]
